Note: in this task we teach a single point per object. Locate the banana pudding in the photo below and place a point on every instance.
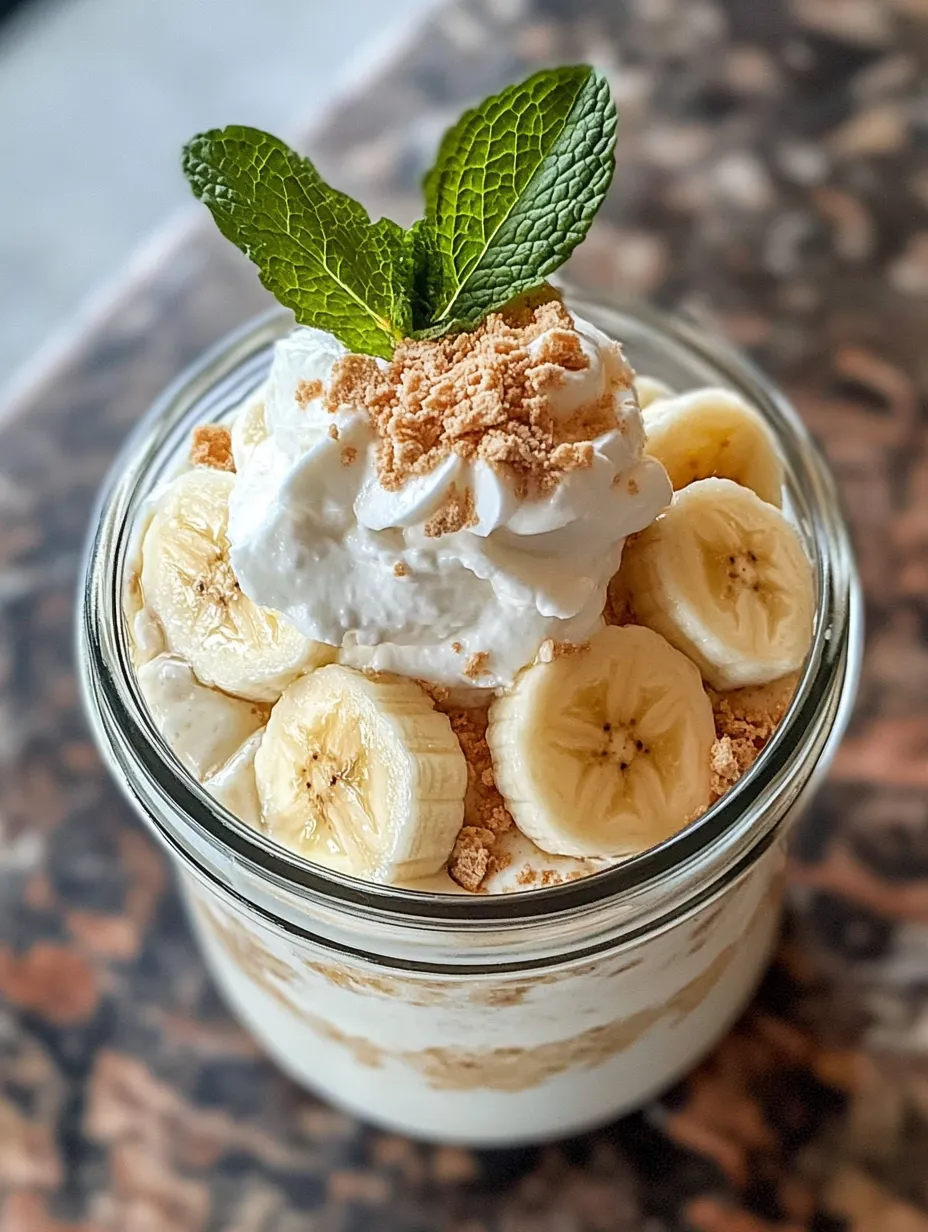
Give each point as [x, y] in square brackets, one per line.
[465, 610]
[441, 648]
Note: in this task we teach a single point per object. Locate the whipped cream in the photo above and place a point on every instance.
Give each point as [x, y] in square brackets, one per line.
[316, 536]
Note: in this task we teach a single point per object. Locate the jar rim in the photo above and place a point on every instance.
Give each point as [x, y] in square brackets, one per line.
[715, 847]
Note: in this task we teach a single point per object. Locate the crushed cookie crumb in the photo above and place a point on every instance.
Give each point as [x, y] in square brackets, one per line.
[728, 763]
[400, 569]
[333, 431]
[439, 693]
[745, 719]
[456, 647]
[457, 512]
[476, 664]
[212, 446]
[482, 394]
[349, 454]
[306, 392]
[563, 349]
[550, 650]
[486, 818]
[470, 857]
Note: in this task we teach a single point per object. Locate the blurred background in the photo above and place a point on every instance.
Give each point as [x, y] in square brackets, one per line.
[99, 95]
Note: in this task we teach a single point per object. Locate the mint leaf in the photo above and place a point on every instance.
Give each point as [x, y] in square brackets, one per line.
[514, 189]
[316, 249]
[426, 278]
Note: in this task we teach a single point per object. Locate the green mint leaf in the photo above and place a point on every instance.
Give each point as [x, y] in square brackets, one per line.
[426, 279]
[316, 249]
[514, 189]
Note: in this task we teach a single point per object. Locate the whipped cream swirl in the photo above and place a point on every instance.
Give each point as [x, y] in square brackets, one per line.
[316, 536]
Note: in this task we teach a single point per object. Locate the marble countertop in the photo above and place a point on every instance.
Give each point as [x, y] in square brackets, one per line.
[773, 180]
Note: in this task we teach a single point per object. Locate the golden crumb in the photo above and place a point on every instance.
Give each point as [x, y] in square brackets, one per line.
[400, 569]
[456, 647]
[212, 446]
[550, 650]
[333, 431]
[457, 512]
[439, 693]
[573, 456]
[486, 817]
[745, 719]
[728, 763]
[528, 876]
[349, 454]
[306, 391]
[476, 664]
[470, 858]
[481, 394]
[563, 348]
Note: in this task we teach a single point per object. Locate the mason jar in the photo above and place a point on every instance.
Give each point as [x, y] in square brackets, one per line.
[489, 1020]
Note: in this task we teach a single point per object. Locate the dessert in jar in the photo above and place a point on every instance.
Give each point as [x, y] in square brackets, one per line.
[441, 646]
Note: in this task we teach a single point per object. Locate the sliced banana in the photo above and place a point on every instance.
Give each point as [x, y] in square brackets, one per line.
[723, 576]
[233, 784]
[364, 765]
[189, 585]
[604, 752]
[201, 726]
[249, 428]
[714, 433]
[649, 389]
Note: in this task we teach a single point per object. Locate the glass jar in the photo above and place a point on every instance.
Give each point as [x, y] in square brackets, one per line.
[479, 1019]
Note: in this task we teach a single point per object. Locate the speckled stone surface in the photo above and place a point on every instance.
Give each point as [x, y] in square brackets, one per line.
[773, 179]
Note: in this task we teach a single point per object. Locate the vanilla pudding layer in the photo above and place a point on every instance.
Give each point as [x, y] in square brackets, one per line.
[493, 1060]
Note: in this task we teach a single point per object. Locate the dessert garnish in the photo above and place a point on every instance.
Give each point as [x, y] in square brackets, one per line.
[514, 188]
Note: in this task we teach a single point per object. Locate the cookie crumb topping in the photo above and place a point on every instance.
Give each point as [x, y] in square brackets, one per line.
[481, 394]
[211, 445]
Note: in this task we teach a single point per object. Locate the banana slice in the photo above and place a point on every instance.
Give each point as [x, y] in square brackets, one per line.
[365, 765]
[649, 389]
[201, 726]
[604, 752]
[188, 584]
[233, 784]
[249, 428]
[714, 432]
[722, 575]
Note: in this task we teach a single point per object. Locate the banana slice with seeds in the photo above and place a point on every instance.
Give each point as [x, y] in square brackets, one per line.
[188, 583]
[604, 752]
[365, 765]
[714, 433]
[723, 576]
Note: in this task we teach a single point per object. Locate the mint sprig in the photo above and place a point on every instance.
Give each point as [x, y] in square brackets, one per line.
[514, 188]
[316, 249]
